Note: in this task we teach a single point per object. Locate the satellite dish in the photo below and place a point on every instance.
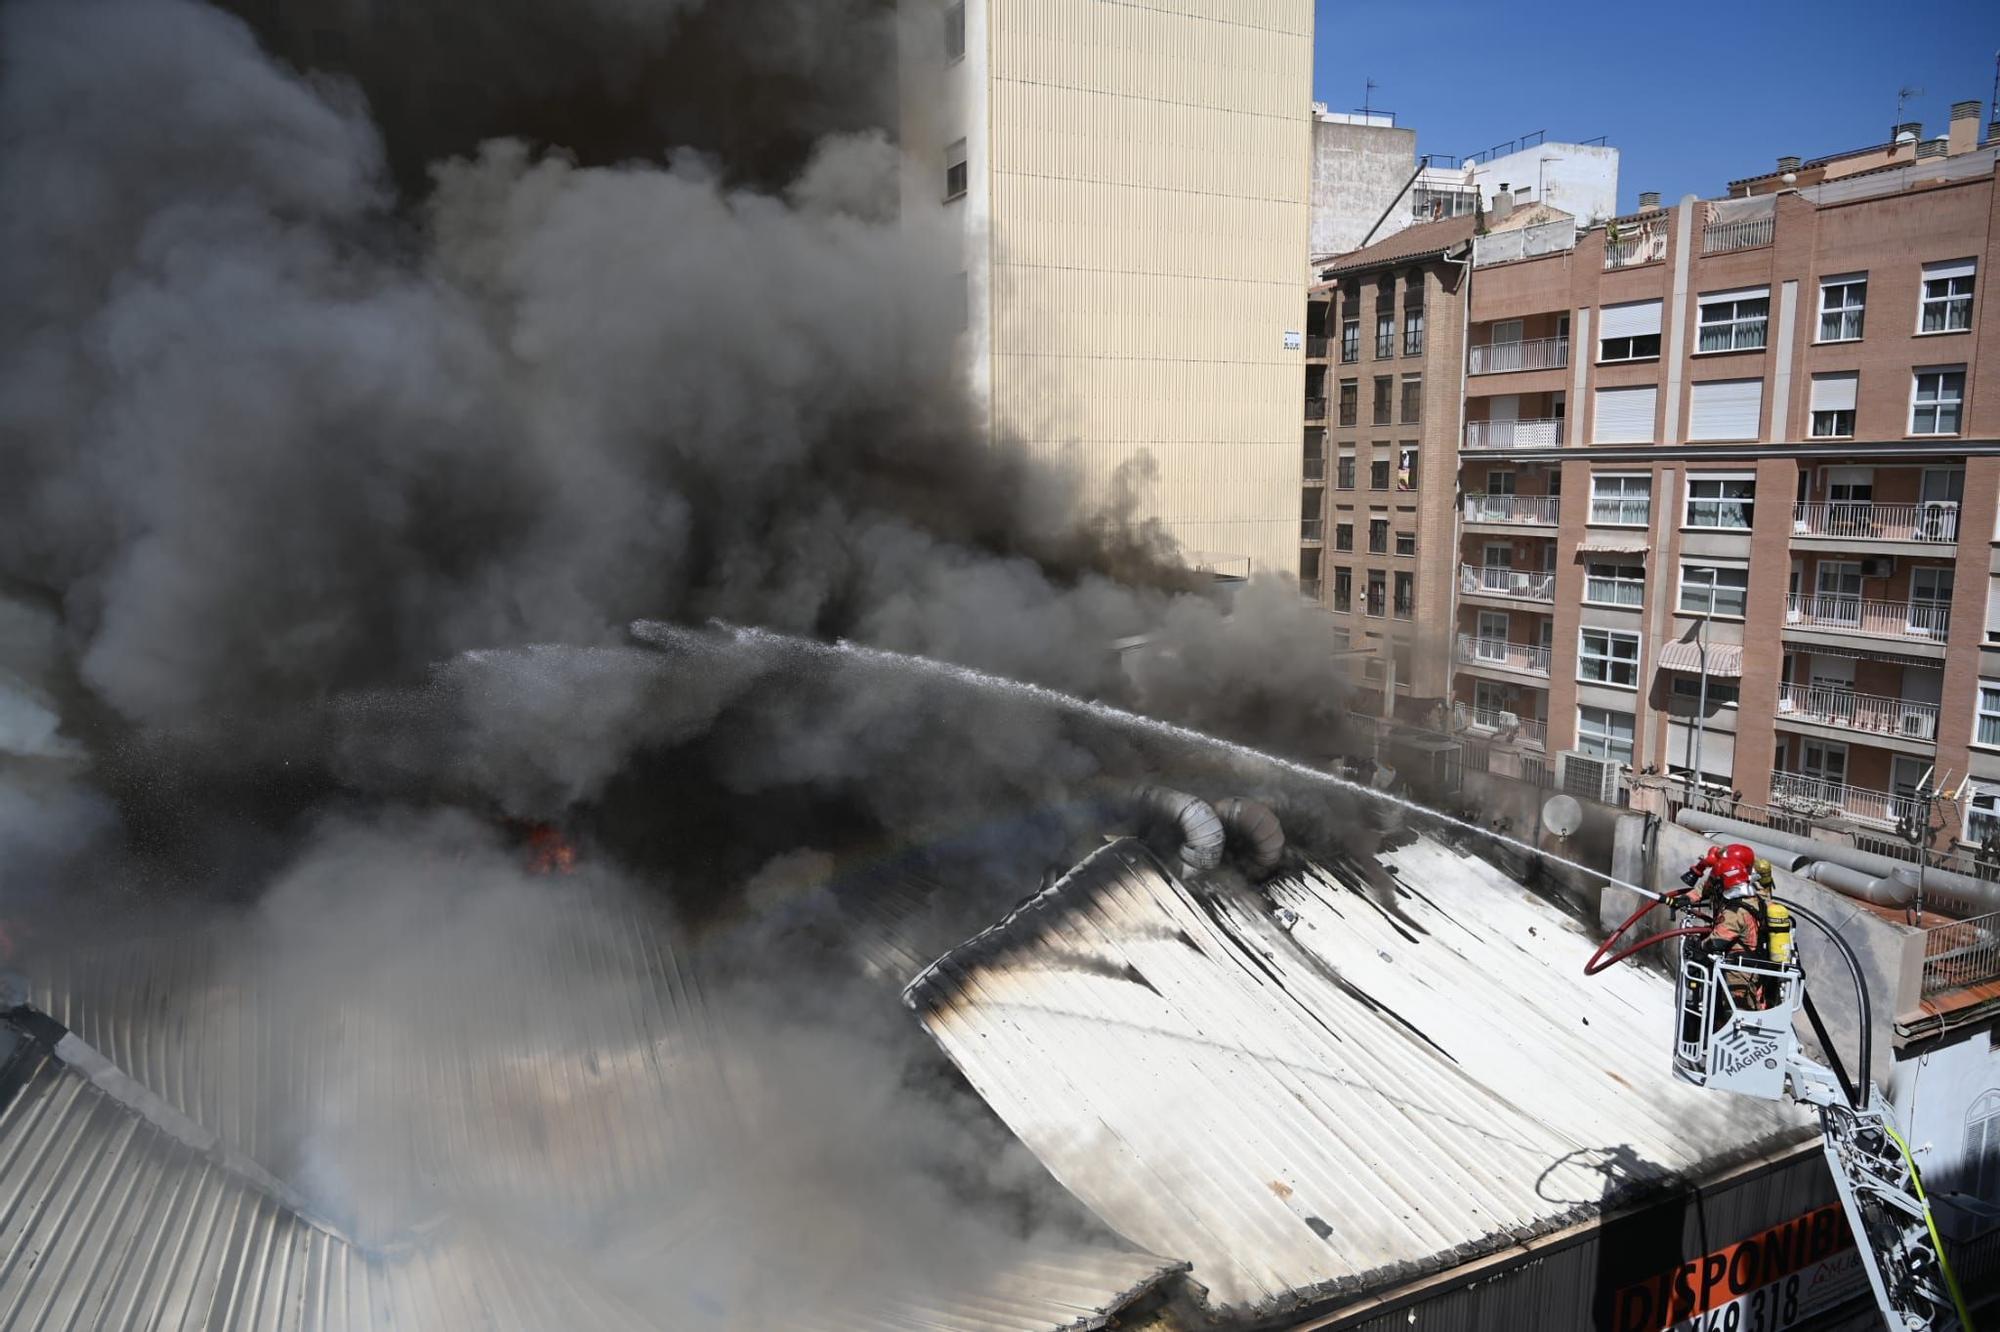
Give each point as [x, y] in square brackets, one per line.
[1561, 815]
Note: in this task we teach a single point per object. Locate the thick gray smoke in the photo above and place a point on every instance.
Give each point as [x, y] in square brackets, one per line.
[337, 468]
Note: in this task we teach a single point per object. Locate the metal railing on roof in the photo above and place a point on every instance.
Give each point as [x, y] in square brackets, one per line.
[1961, 954]
[1645, 245]
[1743, 234]
[1856, 802]
[1524, 242]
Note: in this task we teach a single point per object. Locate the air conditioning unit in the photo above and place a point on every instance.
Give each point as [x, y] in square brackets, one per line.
[1590, 775]
[1880, 566]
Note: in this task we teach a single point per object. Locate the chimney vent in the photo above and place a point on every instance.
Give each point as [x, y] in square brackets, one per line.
[1788, 164]
[1965, 110]
[1932, 147]
[1964, 136]
[1649, 199]
[1908, 132]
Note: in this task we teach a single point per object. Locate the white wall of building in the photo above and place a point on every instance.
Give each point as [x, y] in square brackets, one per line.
[1581, 179]
[1358, 171]
[1948, 1101]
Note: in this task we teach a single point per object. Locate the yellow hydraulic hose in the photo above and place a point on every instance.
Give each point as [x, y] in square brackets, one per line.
[1937, 1241]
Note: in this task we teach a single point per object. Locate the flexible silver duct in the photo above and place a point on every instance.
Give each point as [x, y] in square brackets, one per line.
[1256, 830]
[1977, 896]
[1202, 834]
[1890, 891]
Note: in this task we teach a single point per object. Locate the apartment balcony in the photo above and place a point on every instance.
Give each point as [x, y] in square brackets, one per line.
[1316, 348]
[1500, 655]
[1484, 580]
[1538, 434]
[1315, 409]
[1499, 358]
[1926, 526]
[1312, 531]
[1889, 719]
[1646, 246]
[1501, 725]
[1512, 510]
[1816, 797]
[1744, 234]
[1315, 471]
[1309, 589]
[1906, 621]
[1961, 954]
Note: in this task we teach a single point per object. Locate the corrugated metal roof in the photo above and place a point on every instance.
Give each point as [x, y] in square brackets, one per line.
[613, 1107]
[1408, 1075]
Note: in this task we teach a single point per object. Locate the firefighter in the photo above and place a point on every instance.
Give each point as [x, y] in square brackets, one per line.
[1726, 878]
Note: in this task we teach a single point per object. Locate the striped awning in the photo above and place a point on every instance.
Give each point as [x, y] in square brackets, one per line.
[1614, 545]
[1724, 659]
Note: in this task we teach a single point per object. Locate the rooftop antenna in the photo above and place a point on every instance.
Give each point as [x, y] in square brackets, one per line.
[1903, 95]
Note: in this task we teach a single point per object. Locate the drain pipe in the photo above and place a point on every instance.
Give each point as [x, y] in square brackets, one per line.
[1890, 890]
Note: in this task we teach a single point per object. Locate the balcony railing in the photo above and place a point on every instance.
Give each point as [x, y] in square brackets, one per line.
[1501, 725]
[1858, 712]
[1530, 510]
[1537, 434]
[1744, 234]
[1497, 581]
[1817, 793]
[1497, 358]
[1935, 521]
[1925, 620]
[1315, 470]
[1315, 409]
[1498, 652]
[1316, 348]
[1961, 954]
[1309, 588]
[1647, 246]
[1312, 530]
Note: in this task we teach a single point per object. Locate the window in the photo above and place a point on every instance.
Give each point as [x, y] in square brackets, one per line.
[1377, 593]
[1413, 321]
[1350, 341]
[1936, 400]
[1841, 303]
[1384, 387]
[954, 171]
[1406, 543]
[1378, 536]
[1608, 656]
[1385, 330]
[1350, 401]
[1406, 467]
[1378, 474]
[1833, 398]
[1947, 301]
[1343, 589]
[1982, 815]
[1721, 501]
[1413, 399]
[1406, 595]
[1714, 589]
[1621, 501]
[1982, 1142]
[1603, 732]
[1734, 320]
[1725, 409]
[1615, 584]
[1343, 536]
[1721, 693]
[954, 31]
[1986, 731]
[1625, 415]
[1630, 332]
[1344, 478]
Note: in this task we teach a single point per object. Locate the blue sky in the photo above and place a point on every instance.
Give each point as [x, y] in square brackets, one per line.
[1818, 77]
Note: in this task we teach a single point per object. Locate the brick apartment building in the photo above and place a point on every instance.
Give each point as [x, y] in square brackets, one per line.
[1755, 435]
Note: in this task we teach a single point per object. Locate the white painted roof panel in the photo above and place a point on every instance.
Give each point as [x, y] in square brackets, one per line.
[1306, 1113]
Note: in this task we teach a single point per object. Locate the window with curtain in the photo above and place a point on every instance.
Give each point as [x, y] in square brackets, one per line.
[1603, 732]
[1614, 584]
[1947, 298]
[1608, 656]
[1714, 589]
[1937, 400]
[1842, 301]
[1734, 321]
[1986, 729]
[1721, 501]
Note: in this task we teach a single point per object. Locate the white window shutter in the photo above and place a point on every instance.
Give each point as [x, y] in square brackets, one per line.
[1726, 409]
[1736, 294]
[1951, 268]
[1992, 607]
[1835, 392]
[1625, 415]
[1631, 319]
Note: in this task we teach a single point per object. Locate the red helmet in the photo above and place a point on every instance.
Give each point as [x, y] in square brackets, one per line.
[1739, 854]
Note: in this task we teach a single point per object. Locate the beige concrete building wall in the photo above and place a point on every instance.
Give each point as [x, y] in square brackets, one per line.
[1149, 175]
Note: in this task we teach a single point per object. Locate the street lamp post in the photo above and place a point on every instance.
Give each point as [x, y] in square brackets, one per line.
[1701, 697]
